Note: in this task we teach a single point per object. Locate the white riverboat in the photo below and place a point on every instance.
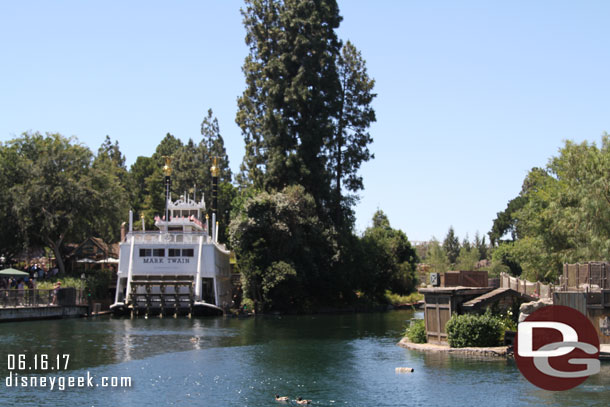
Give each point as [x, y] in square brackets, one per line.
[178, 269]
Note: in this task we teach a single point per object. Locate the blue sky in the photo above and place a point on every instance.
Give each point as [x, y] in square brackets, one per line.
[471, 94]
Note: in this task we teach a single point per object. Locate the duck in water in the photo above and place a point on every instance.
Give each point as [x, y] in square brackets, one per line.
[301, 401]
[282, 399]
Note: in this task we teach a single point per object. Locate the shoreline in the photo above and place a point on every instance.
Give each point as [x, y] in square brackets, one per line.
[496, 351]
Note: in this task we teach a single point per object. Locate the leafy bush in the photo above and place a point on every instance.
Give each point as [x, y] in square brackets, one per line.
[397, 299]
[98, 283]
[66, 282]
[474, 330]
[417, 331]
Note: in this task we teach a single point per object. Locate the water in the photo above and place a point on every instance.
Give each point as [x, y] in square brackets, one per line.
[335, 360]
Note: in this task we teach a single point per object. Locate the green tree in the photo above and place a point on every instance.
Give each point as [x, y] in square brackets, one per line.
[505, 222]
[451, 245]
[348, 149]
[437, 257]
[292, 94]
[481, 246]
[389, 260]
[63, 197]
[468, 258]
[141, 170]
[110, 174]
[563, 212]
[147, 175]
[12, 237]
[283, 251]
[212, 144]
[192, 164]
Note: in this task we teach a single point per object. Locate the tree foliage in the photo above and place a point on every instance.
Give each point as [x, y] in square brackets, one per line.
[437, 257]
[306, 109]
[451, 246]
[562, 212]
[389, 261]
[60, 194]
[283, 250]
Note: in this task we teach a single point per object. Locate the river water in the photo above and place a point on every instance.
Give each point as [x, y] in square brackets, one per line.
[334, 360]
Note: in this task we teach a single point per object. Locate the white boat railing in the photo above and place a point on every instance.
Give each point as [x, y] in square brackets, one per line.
[168, 237]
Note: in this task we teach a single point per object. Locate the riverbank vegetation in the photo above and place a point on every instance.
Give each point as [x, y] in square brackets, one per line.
[305, 115]
[472, 330]
[416, 332]
[561, 215]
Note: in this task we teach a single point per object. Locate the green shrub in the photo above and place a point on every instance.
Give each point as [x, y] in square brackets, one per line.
[98, 282]
[474, 330]
[417, 331]
[66, 282]
[397, 299]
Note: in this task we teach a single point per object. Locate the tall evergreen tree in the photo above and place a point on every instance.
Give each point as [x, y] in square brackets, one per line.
[348, 148]
[109, 164]
[292, 92]
[212, 145]
[451, 245]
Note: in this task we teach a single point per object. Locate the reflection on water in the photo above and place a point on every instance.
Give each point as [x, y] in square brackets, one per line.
[338, 360]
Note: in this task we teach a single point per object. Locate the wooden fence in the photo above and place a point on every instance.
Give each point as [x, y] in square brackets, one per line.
[536, 289]
[591, 276]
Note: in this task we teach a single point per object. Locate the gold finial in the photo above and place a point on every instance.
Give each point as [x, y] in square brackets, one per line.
[215, 170]
[167, 169]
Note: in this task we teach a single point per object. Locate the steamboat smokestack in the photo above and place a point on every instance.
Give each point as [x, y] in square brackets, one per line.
[215, 172]
[167, 170]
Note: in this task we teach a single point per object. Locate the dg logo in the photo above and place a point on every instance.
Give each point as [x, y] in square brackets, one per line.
[557, 348]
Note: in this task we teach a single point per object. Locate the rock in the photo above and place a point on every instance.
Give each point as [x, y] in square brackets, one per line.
[528, 307]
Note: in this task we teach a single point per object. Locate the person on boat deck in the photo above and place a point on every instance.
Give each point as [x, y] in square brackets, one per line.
[301, 401]
[282, 398]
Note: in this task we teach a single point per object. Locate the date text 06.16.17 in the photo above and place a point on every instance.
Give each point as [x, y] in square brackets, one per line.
[37, 362]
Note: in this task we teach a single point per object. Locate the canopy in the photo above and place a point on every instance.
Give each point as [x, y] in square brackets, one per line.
[12, 272]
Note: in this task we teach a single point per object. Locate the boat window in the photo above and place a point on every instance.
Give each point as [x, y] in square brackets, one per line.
[159, 252]
[173, 252]
[187, 252]
[145, 252]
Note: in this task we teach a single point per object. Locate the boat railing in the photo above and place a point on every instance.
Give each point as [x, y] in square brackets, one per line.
[168, 237]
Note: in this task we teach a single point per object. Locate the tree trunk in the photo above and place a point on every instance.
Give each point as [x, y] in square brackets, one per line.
[56, 246]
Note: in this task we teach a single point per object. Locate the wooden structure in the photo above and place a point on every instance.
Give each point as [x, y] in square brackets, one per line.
[501, 298]
[440, 303]
[590, 276]
[168, 299]
[463, 292]
[585, 287]
[93, 253]
[535, 290]
[464, 278]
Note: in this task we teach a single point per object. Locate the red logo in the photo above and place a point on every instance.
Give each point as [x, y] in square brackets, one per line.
[557, 348]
